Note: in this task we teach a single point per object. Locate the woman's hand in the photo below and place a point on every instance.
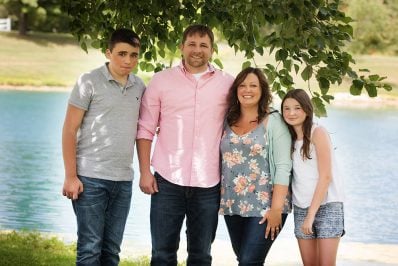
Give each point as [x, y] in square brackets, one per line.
[274, 222]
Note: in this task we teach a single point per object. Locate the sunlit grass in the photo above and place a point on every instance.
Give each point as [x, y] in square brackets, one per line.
[33, 248]
[44, 59]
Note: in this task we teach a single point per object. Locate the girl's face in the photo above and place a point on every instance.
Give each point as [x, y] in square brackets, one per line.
[292, 112]
[249, 92]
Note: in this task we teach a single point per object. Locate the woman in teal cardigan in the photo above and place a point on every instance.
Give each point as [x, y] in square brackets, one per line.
[256, 167]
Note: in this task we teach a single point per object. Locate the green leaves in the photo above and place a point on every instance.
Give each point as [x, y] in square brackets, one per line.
[356, 87]
[306, 37]
[307, 73]
[281, 55]
[371, 89]
[96, 44]
[246, 64]
[218, 62]
[83, 45]
[370, 83]
[319, 106]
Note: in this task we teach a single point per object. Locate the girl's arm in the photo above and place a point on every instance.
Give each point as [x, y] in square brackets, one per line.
[322, 143]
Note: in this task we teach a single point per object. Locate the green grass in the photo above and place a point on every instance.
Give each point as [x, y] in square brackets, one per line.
[43, 59]
[34, 249]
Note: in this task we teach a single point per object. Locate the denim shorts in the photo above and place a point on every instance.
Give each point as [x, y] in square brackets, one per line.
[328, 222]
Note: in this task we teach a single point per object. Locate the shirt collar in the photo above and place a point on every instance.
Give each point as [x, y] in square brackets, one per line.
[105, 71]
[185, 70]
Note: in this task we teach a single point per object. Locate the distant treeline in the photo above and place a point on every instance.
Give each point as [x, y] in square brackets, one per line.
[375, 26]
[375, 21]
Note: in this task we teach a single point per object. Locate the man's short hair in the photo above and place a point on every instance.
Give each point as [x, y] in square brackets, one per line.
[201, 30]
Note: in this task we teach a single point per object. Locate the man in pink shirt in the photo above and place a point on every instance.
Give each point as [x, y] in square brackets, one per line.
[187, 103]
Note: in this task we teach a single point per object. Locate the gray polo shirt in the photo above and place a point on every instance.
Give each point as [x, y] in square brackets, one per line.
[105, 140]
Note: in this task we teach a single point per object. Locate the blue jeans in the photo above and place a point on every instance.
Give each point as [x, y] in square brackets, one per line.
[101, 212]
[248, 239]
[168, 209]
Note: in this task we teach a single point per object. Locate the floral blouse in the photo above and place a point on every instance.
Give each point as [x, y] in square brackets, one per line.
[246, 185]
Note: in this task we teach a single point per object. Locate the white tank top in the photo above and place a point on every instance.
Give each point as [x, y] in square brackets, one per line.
[306, 175]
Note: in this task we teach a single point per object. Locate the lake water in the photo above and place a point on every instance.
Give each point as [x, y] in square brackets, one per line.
[31, 171]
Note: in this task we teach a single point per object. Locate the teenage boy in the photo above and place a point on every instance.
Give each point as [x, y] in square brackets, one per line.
[97, 141]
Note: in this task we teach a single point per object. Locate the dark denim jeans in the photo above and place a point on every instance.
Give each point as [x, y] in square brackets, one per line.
[248, 239]
[101, 213]
[168, 209]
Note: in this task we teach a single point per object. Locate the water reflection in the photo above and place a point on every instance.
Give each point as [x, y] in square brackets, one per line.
[31, 170]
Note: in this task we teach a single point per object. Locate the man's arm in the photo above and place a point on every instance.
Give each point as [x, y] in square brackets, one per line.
[72, 185]
[148, 183]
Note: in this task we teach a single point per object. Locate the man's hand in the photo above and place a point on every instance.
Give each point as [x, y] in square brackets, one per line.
[148, 183]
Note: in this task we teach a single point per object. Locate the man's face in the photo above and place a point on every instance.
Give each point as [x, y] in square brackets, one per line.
[197, 51]
[122, 59]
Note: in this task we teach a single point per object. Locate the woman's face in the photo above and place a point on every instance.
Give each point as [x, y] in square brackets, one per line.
[293, 113]
[249, 91]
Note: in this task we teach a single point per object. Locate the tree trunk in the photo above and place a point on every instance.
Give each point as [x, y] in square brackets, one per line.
[22, 23]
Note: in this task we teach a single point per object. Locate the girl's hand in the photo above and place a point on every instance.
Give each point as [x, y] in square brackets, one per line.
[306, 227]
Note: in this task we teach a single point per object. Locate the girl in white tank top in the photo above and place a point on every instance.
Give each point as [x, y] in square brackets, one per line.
[317, 186]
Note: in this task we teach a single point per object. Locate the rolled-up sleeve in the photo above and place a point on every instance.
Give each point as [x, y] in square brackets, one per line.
[281, 149]
[149, 111]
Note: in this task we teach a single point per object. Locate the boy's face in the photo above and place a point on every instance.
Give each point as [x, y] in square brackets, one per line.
[122, 59]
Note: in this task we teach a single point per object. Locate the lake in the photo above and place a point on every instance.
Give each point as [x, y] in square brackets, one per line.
[31, 171]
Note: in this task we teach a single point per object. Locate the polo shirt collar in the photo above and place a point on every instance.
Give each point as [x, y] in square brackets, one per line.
[105, 71]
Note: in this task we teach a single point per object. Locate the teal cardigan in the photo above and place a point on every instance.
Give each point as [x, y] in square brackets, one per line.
[279, 150]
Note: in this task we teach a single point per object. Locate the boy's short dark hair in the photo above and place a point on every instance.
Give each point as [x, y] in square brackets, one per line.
[201, 30]
[124, 35]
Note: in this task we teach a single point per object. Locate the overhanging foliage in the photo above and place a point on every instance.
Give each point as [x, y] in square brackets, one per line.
[306, 37]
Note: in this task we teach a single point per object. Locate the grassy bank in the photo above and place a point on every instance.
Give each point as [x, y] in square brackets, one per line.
[32, 248]
[42, 59]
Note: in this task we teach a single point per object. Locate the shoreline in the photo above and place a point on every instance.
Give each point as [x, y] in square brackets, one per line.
[344, 99]
[285, 251]
[4, 87]
[341, 99]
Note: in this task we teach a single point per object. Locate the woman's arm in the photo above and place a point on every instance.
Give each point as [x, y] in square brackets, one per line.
[280, 142]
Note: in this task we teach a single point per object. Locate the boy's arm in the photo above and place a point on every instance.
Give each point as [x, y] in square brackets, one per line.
[147, 124]
[148, 183]
[73, 119]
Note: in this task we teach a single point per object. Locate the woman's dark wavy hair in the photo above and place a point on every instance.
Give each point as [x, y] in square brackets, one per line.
[233, 111]
[305, 102]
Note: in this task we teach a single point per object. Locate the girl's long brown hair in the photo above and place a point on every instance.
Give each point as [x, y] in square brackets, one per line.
[305, 102]
[233, 110]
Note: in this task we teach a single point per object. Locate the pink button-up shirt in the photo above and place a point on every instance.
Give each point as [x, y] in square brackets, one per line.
[190, 115]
